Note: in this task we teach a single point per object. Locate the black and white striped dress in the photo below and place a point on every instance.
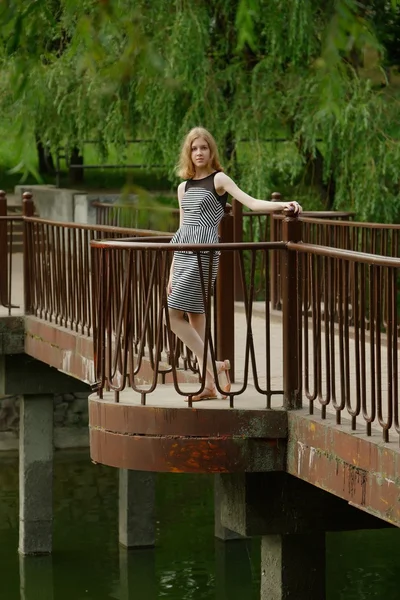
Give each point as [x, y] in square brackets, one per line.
[203, 210]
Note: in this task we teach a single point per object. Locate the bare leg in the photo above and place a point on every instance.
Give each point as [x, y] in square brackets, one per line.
[198, 322]
[193, 338]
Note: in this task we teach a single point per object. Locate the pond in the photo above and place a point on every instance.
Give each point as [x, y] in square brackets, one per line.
[188, 563]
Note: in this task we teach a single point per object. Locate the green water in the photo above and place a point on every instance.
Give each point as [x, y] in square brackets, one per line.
[187, 564]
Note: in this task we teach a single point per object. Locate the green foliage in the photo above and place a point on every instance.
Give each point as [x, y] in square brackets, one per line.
[245, 69]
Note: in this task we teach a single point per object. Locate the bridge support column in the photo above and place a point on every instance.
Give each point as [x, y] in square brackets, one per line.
[221, 532]
[36, 474]
[136, 508]
[293, 566]
[292, 517]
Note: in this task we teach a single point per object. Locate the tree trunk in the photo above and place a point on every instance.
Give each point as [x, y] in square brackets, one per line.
[45, 159]
[76, 174]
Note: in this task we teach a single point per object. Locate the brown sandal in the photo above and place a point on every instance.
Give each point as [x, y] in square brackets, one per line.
[206, 394]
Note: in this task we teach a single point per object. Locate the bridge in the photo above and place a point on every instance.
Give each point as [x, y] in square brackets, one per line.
[308, 439]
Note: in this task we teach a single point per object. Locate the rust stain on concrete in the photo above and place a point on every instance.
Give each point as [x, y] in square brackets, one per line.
[353, 467]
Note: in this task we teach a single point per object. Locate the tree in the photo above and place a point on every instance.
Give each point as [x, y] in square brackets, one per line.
[298, 70]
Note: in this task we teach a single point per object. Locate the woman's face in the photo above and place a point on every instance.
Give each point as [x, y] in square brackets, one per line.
[201, 154]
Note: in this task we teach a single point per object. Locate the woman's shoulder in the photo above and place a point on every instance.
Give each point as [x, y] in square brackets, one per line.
[181, 189]
[220, 177]
[220, 181]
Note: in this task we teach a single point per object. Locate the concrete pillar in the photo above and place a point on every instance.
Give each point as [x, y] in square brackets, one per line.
[36, 474]
[137, 574]
[221, 532]
[36, 577]
[136, 508]
[293, 566]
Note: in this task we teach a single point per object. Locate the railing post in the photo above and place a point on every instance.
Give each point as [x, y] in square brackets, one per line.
[3, 251]
[28, 210]
[291, 321]
[225, 347]
[274, 263]
[237, 210]
[3, 204]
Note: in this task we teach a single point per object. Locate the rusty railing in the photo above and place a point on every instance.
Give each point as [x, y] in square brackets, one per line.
[263, 226]
[249, 226]
[339, 345]
[10, 260]
[58, 268]
[372, 238]
[133, 341]
[350, 306]
[340, 323]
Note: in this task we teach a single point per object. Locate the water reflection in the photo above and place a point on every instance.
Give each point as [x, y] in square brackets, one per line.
[137, 574]
[36, 578]
[233, 569]
[187, 563]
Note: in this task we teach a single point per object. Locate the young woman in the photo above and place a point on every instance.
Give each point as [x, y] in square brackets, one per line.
[202, 198]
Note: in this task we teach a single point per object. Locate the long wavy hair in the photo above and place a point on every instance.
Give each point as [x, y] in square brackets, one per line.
[185, 167]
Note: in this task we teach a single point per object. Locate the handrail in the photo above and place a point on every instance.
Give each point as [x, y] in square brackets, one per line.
[354, 224]
[172, 247]
[111, 205]
[98, 228]
[360, 257]
[317, 214]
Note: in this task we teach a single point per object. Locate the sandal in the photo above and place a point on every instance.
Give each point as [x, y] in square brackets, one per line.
[224, 379]
[206, 394]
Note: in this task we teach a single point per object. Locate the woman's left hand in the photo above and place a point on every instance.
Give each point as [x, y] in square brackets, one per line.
[292, 209]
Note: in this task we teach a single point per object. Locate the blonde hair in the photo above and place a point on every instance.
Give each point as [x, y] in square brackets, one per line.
[185, 168]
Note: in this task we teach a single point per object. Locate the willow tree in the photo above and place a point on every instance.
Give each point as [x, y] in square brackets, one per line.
[291, 69]
[318, 75]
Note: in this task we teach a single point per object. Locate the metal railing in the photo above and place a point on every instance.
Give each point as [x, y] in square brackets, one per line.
[340, 311]
[133, 328]
[259, 226]
[57, 285]
[249, 226]
[372, 238]
[254, 226]
[9, 263]
[8, 259]
[350, 303]
[340, 334]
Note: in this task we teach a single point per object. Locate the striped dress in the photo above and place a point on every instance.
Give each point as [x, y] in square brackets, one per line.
[203, 210]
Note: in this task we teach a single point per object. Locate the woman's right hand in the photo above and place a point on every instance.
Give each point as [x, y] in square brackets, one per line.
[169, 286]
[292, 208]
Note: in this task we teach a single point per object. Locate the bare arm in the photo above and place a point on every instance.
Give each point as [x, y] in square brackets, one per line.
[223, 183]
[181, 191]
